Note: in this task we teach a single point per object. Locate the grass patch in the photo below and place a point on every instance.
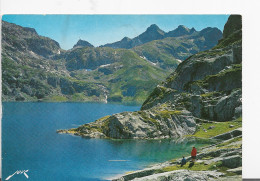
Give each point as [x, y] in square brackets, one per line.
[168, 114]
[78, 97]
[210, 94]
[196, 167]
[220, 128]
[57, 99]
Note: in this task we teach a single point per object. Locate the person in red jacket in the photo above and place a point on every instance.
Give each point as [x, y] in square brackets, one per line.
[193, 154]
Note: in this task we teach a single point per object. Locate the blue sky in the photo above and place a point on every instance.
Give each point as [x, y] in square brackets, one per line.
[102, 29]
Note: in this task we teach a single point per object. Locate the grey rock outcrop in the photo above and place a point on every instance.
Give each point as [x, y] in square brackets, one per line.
[233, 24]
[140, 125]
[182, 175]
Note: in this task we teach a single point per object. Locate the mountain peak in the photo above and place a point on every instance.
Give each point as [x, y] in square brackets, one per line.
[192, 30]
[153, 27]
[181, 30]
[233, 24]
[126, 39]
[82, 43]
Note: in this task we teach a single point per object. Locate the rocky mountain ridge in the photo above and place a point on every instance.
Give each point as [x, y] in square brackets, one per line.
[35, 68]
[153, 32]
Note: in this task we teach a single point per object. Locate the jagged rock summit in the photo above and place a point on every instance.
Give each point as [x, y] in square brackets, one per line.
[82, 43]
[27, 40]
[153, 32]
[181, 30]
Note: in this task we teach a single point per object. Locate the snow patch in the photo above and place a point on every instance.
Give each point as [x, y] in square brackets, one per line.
[143, 57]
[104, 65]
[179, 60]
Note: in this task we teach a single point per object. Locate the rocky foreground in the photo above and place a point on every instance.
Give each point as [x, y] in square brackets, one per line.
[221, 161]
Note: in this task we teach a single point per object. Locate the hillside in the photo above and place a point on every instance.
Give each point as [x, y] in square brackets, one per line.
[35, 68]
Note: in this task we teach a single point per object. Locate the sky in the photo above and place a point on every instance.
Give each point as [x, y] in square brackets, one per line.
[101, 29]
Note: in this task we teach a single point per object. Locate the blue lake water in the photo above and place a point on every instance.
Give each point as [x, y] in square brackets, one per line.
[30, 142]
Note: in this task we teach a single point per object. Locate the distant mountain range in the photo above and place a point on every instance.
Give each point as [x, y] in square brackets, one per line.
[211, 35]
[36, 68]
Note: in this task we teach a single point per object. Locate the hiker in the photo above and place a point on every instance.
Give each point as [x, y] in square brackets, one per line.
[183, 161]
[193, 154]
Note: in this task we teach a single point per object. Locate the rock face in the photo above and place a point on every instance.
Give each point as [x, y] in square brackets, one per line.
[27, 39]
[206, 86]
[234, 24]
[161, 124]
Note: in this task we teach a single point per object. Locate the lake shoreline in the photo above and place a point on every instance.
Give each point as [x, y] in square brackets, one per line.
[212, 162]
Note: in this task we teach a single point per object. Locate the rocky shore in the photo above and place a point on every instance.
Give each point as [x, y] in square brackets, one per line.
[220, 161]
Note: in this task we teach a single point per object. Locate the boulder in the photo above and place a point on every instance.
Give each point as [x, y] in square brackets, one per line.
[211, 127]
[228, 135]
[232, 161]
[236, 170]
[231, 126]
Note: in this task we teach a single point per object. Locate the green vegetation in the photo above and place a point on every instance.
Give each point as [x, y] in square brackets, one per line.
[167, 114]
[210, 94]
[56, 99]
[197, 167]
[219, 128]
[158, 93]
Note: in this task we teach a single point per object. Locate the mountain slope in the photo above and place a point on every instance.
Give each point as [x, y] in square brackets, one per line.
[153, 32]
[36, 68]
[167, 50]
[126, 76]
[27, 39]
[45, 72]
[205, 87]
